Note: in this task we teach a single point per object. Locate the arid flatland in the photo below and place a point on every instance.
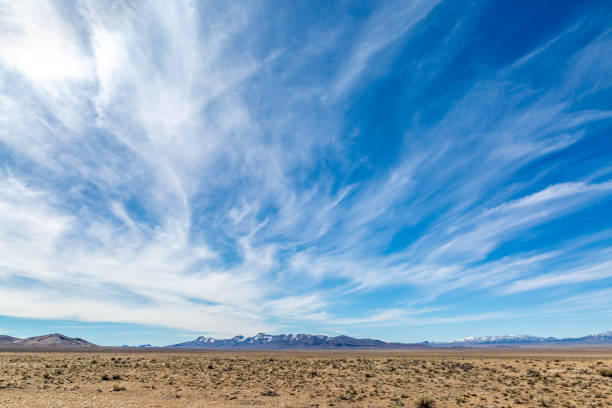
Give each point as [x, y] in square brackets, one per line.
[451, 378]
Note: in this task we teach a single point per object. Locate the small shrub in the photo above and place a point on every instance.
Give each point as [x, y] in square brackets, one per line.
[105, 378]
[425, 402]
[118, 388]
[116, 377]
[606, 372]
[534, 373]
[270, 393]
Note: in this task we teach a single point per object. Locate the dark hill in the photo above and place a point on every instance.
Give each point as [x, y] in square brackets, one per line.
[51, 341]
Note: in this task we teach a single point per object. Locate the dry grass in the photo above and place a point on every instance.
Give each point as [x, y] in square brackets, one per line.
[307, 379]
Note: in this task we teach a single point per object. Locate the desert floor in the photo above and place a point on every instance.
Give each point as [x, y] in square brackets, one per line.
[451, 378]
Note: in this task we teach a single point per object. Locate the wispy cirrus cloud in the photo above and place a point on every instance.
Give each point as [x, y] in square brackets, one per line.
[582, 274]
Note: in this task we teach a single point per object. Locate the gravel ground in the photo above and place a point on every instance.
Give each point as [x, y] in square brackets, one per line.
[508, 378]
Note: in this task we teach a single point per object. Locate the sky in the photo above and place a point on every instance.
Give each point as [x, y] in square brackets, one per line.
[402, 170]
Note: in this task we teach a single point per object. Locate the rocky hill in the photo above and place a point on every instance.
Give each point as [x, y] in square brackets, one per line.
[51, 341]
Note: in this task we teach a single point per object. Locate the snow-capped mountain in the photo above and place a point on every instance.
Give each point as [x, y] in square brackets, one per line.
[310, 341]
[523, 339]
[288, 341]
[600, 338]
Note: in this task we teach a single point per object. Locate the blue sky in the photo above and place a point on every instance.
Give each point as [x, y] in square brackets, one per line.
[411, 170]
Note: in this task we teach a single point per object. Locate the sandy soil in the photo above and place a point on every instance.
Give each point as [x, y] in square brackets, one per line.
[481, 378]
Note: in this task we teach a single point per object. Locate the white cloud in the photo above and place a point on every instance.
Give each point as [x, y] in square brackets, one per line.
[382, 30]
[554, 192]
[49, 304]
[41, 44]
[594, 300]
[29, 228]
[578, 275]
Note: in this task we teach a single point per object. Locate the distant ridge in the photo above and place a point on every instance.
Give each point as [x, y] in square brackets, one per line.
[310, 342]
[50, 341]
[516, 340]
[264, 341]
[290, 341]
[7, 339]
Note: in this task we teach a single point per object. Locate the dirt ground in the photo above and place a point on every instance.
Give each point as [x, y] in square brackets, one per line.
[449, 378]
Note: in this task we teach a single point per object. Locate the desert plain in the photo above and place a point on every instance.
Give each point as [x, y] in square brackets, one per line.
[535, 377]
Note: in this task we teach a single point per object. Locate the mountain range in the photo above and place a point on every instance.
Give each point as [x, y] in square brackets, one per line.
[592, 339]
[264, 341]
[290, 341]
[309, 341]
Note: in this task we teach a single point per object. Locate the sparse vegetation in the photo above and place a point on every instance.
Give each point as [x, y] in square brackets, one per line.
[425, 402]
[270, 393]
[309, 380]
